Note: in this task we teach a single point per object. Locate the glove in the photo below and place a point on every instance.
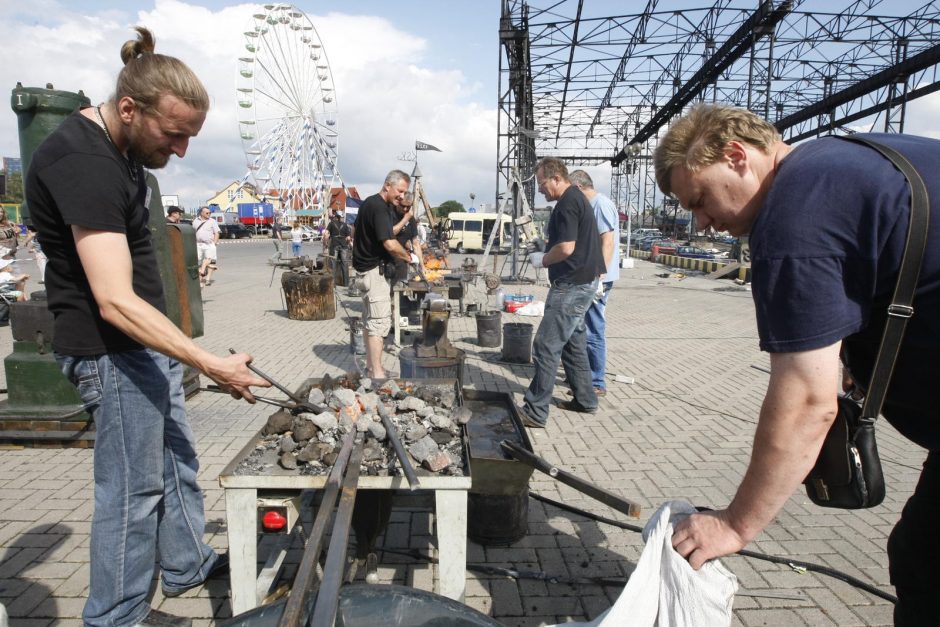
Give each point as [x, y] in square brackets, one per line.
[414, 259]
[599, 292]
[536, 259]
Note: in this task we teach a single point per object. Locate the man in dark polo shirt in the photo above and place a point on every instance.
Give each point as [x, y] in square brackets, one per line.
[574, 261]
[374, 246]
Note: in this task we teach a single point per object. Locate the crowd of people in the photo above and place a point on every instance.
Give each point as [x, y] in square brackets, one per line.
[821, 297]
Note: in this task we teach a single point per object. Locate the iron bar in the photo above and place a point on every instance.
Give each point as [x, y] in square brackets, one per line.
[622, 505]
[300, 402]
[400, 452]
[306, 572]
[324, 612]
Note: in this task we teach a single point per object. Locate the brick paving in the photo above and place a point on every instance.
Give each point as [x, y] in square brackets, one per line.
[682, 430]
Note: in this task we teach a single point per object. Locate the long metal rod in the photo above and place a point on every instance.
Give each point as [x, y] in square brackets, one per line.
[622, 505]
[306, 572]
[262, 399]
[400, 452]
[324, 612]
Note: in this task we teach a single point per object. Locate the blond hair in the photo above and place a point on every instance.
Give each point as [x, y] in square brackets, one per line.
[698, 139]
[147, 76]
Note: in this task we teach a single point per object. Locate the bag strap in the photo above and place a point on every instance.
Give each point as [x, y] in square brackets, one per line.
[901, 307]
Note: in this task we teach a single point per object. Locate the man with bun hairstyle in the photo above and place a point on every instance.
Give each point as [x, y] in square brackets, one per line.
[88, 200]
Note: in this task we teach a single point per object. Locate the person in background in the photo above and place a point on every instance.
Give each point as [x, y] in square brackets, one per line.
[574, 262]
[406, 232]
[173, 214]
[207, 238]
[31, 243]
[828, 222]
[296, 238]
[87, 189]
[337, 240]
[374, 246]
[12, 285]
[9, 236]
[608, 225]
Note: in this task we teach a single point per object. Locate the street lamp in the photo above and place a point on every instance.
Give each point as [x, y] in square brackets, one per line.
[472, 196]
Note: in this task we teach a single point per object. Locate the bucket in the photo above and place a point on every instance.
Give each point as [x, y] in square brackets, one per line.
[496, 519]
[489, 331]
[517, 342]
[357, 343]
[414, 367]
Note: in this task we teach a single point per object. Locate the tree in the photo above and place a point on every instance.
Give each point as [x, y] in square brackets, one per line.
[448, 207]
[14, 191]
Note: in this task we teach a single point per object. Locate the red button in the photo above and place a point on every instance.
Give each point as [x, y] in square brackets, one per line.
[273, 520]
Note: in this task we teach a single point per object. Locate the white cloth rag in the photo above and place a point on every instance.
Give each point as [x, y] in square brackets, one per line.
[663, 590]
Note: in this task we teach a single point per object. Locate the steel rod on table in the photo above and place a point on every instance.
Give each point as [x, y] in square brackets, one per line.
[622, 505]
[400, 452]
[324, 612]
[306, 572]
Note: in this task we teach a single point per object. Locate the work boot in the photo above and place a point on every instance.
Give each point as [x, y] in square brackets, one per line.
[156, 618]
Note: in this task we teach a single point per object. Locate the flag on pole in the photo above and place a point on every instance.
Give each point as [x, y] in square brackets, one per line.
[423, 146]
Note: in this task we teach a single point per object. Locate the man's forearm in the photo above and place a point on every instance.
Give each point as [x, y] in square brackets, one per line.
[607, 247]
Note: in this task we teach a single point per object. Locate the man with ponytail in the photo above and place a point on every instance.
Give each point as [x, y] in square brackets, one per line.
[88, 200]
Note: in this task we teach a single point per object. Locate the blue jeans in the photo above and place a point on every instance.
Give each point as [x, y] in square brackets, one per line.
[596, 322]
[145, 482]
[295, 248]
[561, 337]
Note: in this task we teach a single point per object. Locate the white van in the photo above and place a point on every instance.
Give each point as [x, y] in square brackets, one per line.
[471, 231]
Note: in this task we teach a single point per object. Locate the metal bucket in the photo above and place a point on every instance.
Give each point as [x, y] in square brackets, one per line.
[414, 367]
[497, 519]
[517, 342]
[357, 343]
[489, 330]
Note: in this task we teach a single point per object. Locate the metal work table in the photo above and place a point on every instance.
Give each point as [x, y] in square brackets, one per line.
[452, 290]
[241, 508]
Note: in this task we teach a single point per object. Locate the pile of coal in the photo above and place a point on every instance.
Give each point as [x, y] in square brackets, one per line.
[425, 415]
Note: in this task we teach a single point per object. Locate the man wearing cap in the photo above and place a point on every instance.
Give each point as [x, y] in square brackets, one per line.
[173, 214]
[337, 239]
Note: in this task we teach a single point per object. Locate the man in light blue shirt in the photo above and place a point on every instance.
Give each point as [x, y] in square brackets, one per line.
[608, 225]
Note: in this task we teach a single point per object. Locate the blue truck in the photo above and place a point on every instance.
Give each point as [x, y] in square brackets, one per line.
[256, 216]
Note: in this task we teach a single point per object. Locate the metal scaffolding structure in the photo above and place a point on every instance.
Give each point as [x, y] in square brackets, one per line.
[598, 89]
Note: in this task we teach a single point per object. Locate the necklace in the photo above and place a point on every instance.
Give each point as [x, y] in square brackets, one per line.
[131, 166]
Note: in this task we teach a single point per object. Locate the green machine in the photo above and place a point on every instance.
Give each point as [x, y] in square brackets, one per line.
[42, 406]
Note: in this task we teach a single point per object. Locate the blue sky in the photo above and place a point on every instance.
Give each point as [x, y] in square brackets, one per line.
[404, 71]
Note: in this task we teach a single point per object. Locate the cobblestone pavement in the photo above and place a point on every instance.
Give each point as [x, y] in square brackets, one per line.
[681, 430]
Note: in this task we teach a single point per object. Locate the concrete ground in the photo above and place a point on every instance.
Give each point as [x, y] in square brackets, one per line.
[681, 430]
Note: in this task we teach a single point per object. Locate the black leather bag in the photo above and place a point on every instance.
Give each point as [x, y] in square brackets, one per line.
[847, 473]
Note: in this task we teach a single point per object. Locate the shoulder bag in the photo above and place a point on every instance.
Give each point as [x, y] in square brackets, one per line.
[847, 473]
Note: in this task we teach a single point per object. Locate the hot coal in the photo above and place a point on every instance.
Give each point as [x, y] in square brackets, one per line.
[425, 415]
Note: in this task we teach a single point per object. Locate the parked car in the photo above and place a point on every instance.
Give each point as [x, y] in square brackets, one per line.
[694, 252]
[666, 246]
[310, 234]
[235, 230]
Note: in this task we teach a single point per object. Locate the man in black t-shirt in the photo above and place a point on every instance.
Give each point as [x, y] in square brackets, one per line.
[88, 200]
[574, 261]
[828, 222]
[373, 247]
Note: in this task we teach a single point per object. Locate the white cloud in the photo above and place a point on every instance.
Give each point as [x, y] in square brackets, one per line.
[387, 98]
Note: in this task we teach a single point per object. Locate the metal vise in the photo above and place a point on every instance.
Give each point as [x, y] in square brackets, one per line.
[435, 315]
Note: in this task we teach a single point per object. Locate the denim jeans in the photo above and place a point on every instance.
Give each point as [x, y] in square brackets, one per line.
[561, 337]
[147, 501]
[596, 322]
[295, 249]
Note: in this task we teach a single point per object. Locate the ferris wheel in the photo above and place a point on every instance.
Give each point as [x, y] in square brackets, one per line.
[287, 115]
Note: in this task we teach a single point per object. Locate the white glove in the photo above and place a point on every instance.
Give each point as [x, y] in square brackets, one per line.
[414, 259]
[599, 292]
[536, 259]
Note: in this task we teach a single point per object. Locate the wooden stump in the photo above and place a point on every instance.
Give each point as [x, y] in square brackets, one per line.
[309, 296]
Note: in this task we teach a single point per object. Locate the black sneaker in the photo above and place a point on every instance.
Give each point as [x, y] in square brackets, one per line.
[574, 405]
[220, 567]
[156, 618]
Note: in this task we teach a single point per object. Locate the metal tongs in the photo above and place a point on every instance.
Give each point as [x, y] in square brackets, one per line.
[295, 401]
